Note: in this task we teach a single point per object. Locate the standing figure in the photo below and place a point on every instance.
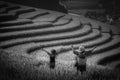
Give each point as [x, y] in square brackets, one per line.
[81, 58]
[52, 56]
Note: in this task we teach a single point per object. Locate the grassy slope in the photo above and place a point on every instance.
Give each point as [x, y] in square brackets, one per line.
[22, 67]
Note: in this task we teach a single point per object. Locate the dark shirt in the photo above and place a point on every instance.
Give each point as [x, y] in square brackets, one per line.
[52, 61]
[82, 56]
[52, 58]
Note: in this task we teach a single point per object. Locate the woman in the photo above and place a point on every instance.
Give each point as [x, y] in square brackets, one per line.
[81, 58]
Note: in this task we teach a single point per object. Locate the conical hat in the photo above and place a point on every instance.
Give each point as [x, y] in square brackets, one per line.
[81, 48]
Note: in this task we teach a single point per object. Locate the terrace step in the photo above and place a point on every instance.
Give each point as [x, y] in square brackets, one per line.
[67, 47]
[77, 41]
[75, 24]
[93, 60]
[109, 45]
[33, 15]
[110, 59]
[105, 38]
[9, 8]
[49, 18]
[53, 37]
[90, 60]
[12, 15]
[23, 27]
[60, 22]
[88, 44]
[19, 11]
[104, 45]
[15, 22]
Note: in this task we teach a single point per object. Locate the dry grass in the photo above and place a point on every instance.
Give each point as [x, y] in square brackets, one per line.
[21, 67]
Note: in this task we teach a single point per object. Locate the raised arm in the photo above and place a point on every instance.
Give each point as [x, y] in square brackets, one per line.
[72, 48]
[93, 48]
[45, 51]
[90, 51]
[75, 52]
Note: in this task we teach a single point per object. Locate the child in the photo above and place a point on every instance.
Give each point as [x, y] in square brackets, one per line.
[52, 56]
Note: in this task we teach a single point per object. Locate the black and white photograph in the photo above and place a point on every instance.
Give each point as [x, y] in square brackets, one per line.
[59, 39]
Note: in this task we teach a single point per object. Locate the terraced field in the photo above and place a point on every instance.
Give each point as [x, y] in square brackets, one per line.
[24, 29]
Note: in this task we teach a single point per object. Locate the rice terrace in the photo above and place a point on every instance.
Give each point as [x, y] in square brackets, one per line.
[24, 29]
